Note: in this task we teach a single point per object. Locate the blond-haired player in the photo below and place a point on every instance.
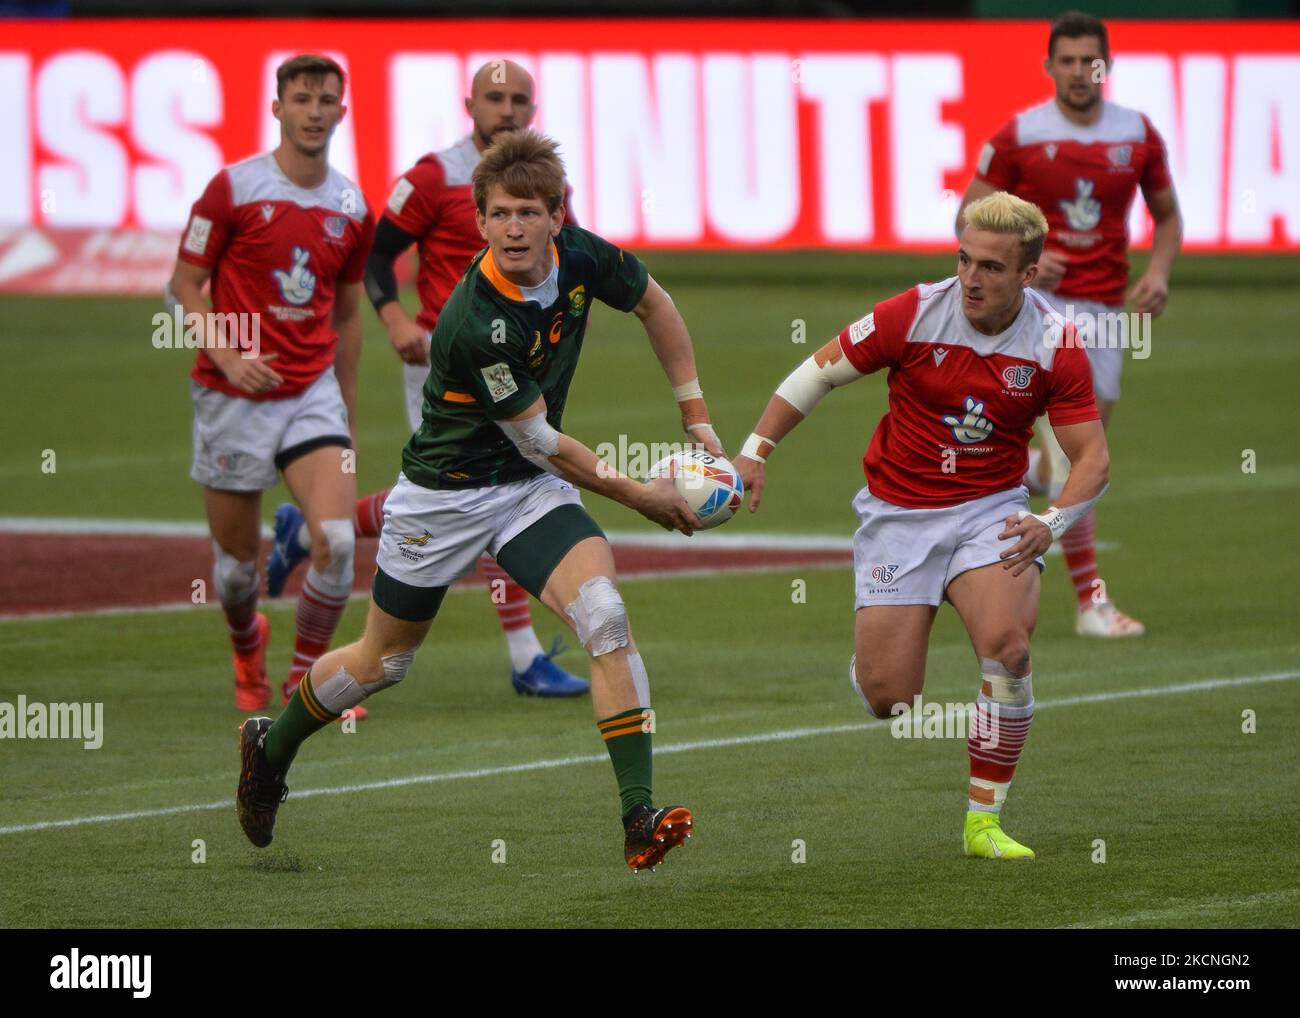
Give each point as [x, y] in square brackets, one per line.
[943, 514]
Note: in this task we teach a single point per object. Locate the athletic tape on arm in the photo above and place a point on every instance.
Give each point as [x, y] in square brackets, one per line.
[809, 383]
[535, 439]
[1058, 521]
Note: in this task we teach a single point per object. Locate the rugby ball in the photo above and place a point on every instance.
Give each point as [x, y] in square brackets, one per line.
[710, 485]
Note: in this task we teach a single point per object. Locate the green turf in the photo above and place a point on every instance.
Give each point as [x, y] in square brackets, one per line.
[1197, 818]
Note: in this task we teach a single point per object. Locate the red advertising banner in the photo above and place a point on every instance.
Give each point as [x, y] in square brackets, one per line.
[679, 134]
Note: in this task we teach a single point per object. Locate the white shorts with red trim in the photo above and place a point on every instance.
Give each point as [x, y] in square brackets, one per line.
[242, 444]
[909, 556]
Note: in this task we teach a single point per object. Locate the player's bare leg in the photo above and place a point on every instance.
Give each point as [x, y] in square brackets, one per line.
[337, 682]
[890, 644]
[1000, 612]
[1098, 615]
[323, 482]
[234, 519]
[581, 590]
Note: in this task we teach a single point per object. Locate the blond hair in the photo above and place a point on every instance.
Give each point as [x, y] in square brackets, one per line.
[1001, 212]
[526, 164]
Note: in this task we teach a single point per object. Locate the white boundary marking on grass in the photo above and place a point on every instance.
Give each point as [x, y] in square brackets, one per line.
[1197, 909]
[679, 747]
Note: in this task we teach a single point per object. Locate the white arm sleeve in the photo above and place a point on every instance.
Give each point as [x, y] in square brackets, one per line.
[535, 439]
[1060, 520]
[807, 384]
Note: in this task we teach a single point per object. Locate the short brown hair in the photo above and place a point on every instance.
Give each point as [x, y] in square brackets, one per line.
[1075, 25]
[313, 65]
[526, 164]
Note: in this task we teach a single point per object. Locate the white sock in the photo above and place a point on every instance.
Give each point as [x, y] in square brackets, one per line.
[523, 646]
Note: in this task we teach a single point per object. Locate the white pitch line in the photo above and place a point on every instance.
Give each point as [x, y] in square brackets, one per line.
[679, 747]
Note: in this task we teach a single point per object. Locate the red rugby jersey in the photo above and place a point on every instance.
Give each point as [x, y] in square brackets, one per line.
[1084, 179]
[962, 405]
[434, 202]
[279, 250]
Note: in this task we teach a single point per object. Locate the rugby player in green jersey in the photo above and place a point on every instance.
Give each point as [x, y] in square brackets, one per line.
[490, 469]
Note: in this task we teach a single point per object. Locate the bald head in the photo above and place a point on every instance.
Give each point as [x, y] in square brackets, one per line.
[500, 99]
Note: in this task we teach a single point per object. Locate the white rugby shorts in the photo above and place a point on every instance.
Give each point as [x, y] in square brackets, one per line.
[1105, 354]
[242, 444]
[909, 556]
[433, 537]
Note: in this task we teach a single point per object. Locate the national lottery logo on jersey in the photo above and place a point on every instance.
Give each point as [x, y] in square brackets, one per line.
[1084, 212]
[1018, 376]
[883, 574]
[299, 283]
[972, 426]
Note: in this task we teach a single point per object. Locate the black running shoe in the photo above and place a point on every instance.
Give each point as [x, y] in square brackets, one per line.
[650, 833]
[261, 788]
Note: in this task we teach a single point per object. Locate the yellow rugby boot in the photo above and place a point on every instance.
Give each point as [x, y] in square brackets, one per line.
[985, 839]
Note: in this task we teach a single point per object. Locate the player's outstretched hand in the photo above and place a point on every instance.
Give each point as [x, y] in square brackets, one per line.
[751, 476]
[1051, 270]
[1035, 538]
[1150, 294]
[251, 374]
[410, 342]
[662, 503]
[703, 433]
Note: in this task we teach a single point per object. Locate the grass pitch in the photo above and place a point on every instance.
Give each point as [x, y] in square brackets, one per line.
[1137, 745]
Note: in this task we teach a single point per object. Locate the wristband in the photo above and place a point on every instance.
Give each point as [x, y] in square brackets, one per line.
[753, 445]
[688, 390]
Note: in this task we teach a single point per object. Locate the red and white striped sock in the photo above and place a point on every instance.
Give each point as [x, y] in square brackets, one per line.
[1079, 546]
[319, 611]
[513, 611]
[1003, 713]
[241, 620]
[368, 518]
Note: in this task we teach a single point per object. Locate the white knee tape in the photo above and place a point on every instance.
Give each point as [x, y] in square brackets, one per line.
[1003, 687]
[640, 679]
[599, 616]
[395, 668]
[341, 539]
[235, 581]
[853, 681]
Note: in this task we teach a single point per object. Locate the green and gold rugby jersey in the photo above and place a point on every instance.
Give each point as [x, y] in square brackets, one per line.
[493, 353]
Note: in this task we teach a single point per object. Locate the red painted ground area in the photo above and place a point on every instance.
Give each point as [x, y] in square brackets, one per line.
[42, 573]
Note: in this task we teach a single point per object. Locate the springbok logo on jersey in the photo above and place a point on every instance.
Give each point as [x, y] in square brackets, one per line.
[1085, 211]
[299, 283]
[883, 574]
[1018, 376]
[972, 426]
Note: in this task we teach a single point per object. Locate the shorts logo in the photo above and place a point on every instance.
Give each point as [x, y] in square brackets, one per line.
[883, 574]
[972, 426]
[422, 540]
[862, 328]
[335, 226]
[397, 201]
[299, 283]
[1018, 376]
[196, 238]
[500, 382]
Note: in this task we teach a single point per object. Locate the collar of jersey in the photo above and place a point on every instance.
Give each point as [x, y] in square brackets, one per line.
[493, 274]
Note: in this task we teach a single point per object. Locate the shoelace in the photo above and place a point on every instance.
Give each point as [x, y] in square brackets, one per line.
[558, 646]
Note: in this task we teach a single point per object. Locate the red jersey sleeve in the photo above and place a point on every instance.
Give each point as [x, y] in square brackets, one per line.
[997, 161]
[1070, 399]
[1155, 176]
[354, 269]
[877, 341]
[415, 203]
[210, 224]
